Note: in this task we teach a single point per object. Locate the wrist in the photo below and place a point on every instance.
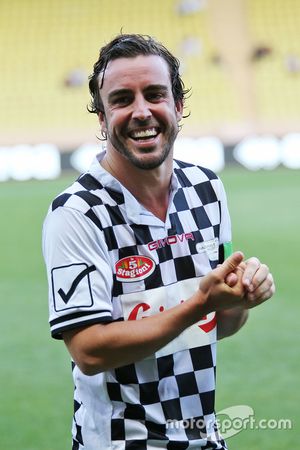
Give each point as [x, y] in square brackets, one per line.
[198, 306]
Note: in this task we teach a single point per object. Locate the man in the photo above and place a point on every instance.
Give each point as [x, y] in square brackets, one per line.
[132, 252]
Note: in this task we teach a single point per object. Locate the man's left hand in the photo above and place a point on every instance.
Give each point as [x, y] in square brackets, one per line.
[258, 282]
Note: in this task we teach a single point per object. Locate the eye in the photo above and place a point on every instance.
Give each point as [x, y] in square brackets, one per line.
[122, 101]
[155, 96]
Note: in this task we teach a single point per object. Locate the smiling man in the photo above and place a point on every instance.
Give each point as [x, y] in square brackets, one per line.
[141, 116]
[138, 286]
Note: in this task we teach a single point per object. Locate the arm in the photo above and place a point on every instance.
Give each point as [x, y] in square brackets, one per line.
[101, 347]
[230, 321]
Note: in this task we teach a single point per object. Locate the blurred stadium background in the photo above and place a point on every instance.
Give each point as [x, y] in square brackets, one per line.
[240, 57]
[242, 60]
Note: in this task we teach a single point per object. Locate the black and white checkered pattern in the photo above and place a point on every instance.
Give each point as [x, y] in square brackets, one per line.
[167, 397]
[178, 388]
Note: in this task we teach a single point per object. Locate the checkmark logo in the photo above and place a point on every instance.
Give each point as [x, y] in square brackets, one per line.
[65, 296]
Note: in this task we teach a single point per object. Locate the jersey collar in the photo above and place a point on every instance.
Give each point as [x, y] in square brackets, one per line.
[136, 213]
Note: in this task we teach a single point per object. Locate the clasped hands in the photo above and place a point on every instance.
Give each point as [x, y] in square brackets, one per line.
[237, 283]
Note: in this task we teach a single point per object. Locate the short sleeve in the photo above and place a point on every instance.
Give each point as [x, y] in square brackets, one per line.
[78, 271]
[225, 226]
[225, 235]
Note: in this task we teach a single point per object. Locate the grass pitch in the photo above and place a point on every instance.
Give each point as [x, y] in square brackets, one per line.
[259, 367]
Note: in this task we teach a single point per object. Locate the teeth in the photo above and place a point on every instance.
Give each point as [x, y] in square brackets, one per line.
[144, 133]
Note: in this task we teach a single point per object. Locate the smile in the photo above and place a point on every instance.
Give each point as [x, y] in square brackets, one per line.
[144, 134]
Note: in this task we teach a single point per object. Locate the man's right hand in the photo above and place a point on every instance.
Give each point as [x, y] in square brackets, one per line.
[216, 293]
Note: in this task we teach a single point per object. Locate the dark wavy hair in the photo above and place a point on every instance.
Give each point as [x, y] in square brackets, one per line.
[129, 46]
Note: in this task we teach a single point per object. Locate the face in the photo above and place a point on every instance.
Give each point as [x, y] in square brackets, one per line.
[140, 116]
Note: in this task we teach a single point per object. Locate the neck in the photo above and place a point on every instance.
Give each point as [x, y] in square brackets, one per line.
[150, 187]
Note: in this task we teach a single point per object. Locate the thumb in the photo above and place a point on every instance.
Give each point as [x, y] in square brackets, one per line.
[230, 264]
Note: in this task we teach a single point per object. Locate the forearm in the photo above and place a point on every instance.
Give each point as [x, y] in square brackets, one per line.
[102, 347]
[229, 321]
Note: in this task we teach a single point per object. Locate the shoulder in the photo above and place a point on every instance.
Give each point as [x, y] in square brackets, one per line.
[81, 195]
[188, 169]
[72, 210]
[204, 182]
[191, 175]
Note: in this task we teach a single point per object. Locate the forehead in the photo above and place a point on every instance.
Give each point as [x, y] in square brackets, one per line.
[132, 73]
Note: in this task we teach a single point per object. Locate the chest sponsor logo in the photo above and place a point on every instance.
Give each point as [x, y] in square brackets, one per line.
[207, 323]
[170, 240]
[134, 268]
[140, 305]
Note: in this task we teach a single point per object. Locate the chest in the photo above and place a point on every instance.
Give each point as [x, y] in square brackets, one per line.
[146, 257]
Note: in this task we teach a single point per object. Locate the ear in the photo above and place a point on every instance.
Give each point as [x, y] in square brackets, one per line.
[102, 121]
[179, 110]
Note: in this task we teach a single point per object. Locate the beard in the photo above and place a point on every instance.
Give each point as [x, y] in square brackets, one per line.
[137, 160]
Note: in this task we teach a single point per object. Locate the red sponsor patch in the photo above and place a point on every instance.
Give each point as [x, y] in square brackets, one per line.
[208, 323]
[134, 268]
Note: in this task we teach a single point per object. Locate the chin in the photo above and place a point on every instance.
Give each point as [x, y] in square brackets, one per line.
[145, 158]
[148, 165]
[149, 161]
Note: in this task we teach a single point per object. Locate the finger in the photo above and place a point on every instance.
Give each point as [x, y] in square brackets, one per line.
[231, 279]
[220, 273]
[265, 290]
[230, 264]
[243, 266]
[262, 276]
[252, 265]
[251, 303]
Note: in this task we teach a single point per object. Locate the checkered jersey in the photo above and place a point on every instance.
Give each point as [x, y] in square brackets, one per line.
[109, 259]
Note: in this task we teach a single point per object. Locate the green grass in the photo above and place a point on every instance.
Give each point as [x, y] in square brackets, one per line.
[258, 367]
[35, 376]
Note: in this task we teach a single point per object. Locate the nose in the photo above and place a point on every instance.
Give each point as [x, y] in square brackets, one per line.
[141, 109]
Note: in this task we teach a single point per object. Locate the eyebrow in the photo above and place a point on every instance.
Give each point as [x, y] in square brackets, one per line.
[156, 87]
[118, 92]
